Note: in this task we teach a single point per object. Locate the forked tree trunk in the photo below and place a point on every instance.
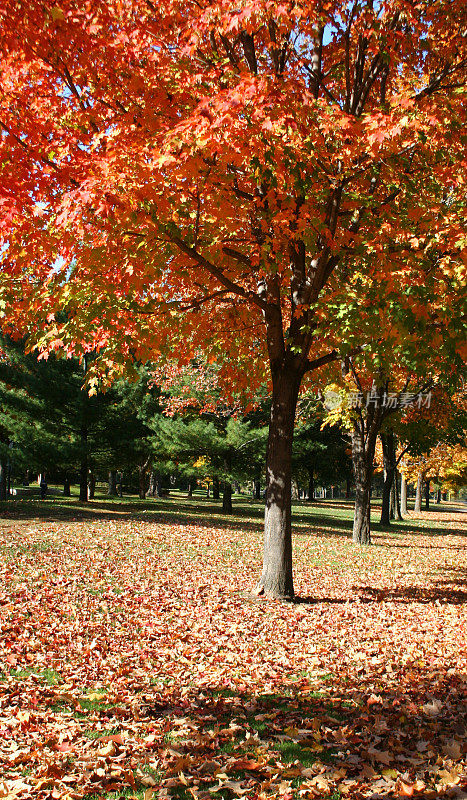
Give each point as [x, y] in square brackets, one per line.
[418, 493]
[276, 579]
[227, 498]
[403, 495]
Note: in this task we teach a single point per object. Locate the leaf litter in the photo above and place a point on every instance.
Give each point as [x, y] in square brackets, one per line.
[135, 663]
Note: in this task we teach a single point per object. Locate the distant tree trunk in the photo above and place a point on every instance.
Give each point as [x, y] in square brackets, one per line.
[142, 481]
[84, 467]
[418, 494]
[83, 478]
[397, 504]
[388, 485]
[112, 483]
[311, 484]
[348, 484]
[215, 489]
[227, 498]
[403, 496]
[189, 490]
[364, 435]
[427, 494]
[438, 496]
[66, 486]
[445, 496]
[91, 485]
[207, 489]
[3, 482]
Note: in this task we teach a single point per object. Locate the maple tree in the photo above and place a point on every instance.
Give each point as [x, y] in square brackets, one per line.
[216, 175]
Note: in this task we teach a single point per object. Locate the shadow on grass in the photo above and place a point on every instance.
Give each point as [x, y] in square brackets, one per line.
[365, 734]
[325, 519]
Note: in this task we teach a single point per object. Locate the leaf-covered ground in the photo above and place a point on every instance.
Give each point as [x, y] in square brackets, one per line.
[135, 663]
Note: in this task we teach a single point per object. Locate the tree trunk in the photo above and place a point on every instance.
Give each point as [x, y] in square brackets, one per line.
[83, 479]
[311, 484]
[227, 498]
[91, 485]
[276, 579]
[387, 503]
[83, 472]
[112, 483]
[397, 505]
[66, 486]
[215, 489]
[348, 484]
[427, 494]
[418, 494]
[189, 492]
[363, 471]
[152, 484]
[141, 482]
[207, 489]
[364, 435]
[3, 492]
[438, 496]
[403, 496]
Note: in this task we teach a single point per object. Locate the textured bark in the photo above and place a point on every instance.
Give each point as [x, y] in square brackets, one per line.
[276, 579]
[403, 496]
[366, 428]
[388, 485]
[151, 490]
[227, 498]
[418, 494]
[363, 471]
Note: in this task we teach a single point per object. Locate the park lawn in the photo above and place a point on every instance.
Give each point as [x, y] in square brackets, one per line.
[135, 662]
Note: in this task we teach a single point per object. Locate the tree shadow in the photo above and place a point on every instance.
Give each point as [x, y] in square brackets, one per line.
[318, 733]
[414, 594]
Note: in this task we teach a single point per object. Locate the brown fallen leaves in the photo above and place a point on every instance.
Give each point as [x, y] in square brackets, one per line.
[132, 664]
